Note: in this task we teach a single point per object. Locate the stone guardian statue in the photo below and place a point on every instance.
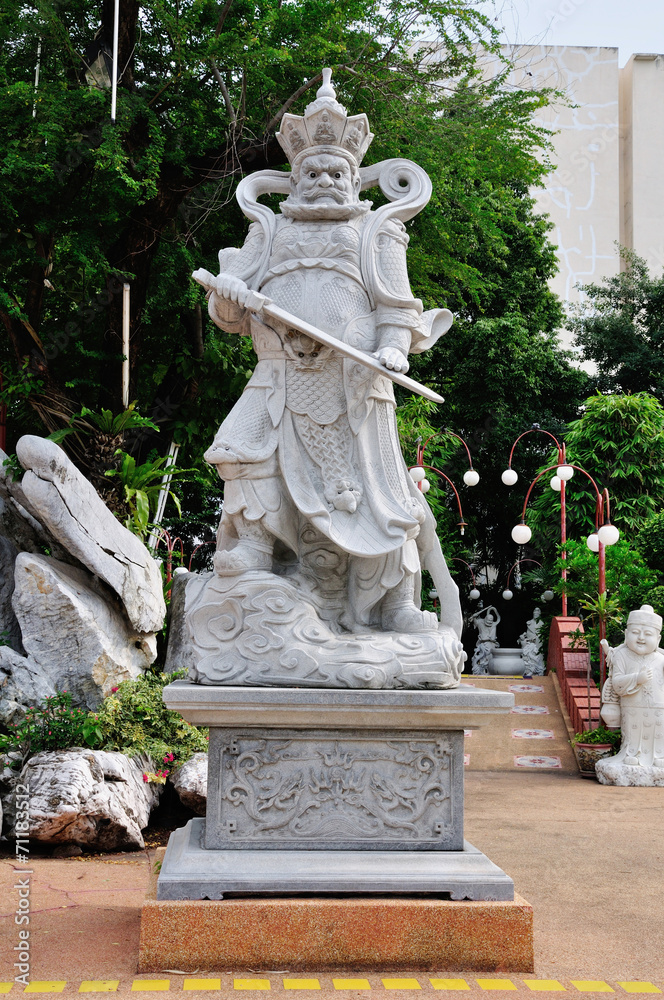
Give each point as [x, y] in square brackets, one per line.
[486, 621]
[636, 682]
[323, 535]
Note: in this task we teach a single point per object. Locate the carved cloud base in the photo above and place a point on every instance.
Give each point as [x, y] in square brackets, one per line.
[612, 771]
[190, 871]
[261, 629]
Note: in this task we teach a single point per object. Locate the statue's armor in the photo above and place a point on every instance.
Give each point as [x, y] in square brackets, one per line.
[319, 424]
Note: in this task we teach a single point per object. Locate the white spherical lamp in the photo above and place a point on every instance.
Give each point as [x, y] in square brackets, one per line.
[417, 473]
[509, 477]
[608, 534]
[564, 472]
[592, 541]
[556, 483]
[521, 534]
[425, 486]
[433, 594]
[471, 478]
[179, 570]
[474, 594]
[507, 595]
[547, 595]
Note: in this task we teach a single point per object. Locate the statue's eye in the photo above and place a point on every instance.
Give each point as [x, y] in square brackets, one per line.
[337, 175]
[312, 173]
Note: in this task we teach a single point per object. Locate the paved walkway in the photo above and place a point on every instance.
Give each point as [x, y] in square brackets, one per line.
[589, 859]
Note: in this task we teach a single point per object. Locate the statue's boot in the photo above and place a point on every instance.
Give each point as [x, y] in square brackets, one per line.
[408, 618]
[244, 557]
[658, 762]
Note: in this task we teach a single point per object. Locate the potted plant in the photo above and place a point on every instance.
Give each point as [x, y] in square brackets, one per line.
[591, 746]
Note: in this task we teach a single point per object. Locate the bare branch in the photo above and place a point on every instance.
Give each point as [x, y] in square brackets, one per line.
[224, 91]
[222, 17]
[291, 100]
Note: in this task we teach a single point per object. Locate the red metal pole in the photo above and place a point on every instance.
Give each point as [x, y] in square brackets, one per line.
[563, 540]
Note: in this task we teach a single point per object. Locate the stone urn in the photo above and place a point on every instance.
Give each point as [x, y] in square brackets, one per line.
[506, 662]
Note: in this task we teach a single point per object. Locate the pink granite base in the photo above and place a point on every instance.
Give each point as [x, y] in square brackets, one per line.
[322, 933]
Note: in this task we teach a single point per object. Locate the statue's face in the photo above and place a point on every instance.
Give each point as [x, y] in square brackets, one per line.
[642, 639]
[325, 180]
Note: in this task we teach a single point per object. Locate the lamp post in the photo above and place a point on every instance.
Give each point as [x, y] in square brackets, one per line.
[507, 594]
[564, 472]
[474, 593]
[605, 534]
[417, 474]
[470, 477]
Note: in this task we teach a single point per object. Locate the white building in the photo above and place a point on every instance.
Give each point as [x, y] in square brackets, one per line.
[608, 185]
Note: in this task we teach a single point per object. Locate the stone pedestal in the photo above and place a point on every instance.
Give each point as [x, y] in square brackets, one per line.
[332, 791]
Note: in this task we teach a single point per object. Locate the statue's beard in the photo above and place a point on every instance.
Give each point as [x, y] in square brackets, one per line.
[312, 212]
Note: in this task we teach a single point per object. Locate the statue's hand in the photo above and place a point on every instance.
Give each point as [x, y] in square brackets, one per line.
[392, 358]
[232, 288]
[645, 675]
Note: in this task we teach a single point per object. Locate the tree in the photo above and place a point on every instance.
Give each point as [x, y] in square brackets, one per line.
[88, 204]
[619, 440]
[621, 329]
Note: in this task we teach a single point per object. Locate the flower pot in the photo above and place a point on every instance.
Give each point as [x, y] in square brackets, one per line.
[587, 755]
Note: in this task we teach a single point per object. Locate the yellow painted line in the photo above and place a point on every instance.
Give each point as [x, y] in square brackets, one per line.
[495, 984]
[401, 984]
[640, 987]
[150, 984]
[99, 986]
[47, 987]
[592, 986]
[351, 984]
[201, 984]
[251, 984]
[544, 985]
[5, 987]
[449, 984]
[301, 984]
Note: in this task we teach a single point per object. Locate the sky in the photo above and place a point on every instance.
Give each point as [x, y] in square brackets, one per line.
[631, 25]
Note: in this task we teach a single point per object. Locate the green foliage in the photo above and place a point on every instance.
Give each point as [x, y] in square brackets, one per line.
[650, 542]
[55, 725]
[134, 720]
[600, 735]
[629, 584]
[621, 328]
[87, 205]
[88, 422]
[141, 486]
[619, 441]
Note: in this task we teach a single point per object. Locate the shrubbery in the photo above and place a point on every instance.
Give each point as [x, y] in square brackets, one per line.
[132, 719]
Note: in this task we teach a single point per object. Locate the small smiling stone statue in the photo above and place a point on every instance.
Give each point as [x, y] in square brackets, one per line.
[636, 683]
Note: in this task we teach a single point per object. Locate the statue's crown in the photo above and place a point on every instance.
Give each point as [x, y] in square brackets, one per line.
[325, 126]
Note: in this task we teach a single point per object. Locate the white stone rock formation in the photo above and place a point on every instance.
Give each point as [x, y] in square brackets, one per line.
[23, 683]
[636, 683]
[66, 503]
[190, 782]
[75, 632]
[88, 797]
[87, 614]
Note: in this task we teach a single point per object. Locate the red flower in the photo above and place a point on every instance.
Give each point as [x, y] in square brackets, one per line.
[145, 777]
[113, 690]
